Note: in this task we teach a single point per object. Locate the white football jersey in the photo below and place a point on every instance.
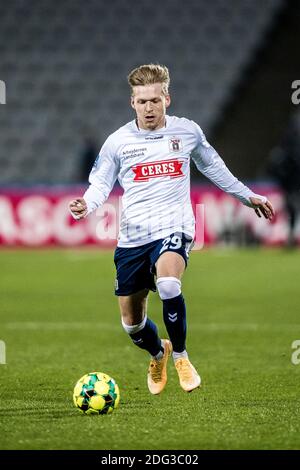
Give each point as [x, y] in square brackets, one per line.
[153, 168]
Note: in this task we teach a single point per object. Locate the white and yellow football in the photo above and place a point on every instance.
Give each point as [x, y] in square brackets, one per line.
[96, 393]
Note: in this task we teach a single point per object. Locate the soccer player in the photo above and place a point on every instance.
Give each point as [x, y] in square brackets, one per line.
[150, 156]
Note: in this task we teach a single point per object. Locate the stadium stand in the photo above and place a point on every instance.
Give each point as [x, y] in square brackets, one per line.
[65, 65]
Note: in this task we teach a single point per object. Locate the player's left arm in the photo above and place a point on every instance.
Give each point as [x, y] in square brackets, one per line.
[213, 167]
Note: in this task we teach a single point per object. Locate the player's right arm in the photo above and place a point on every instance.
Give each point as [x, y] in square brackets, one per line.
[102, 178]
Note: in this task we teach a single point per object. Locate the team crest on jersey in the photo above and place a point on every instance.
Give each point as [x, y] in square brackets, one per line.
[175, 144]
[145, 171]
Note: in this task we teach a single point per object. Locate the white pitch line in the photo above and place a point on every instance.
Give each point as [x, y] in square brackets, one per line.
[247, 327]
[60, 326]
[88, 325]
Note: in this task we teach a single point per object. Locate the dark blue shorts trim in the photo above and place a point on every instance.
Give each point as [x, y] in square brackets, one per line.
[136, 266]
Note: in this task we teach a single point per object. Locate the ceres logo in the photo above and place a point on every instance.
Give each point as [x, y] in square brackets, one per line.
[145, 171]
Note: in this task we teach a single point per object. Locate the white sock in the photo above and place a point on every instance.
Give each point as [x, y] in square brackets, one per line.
[180, 355]
[159, 356]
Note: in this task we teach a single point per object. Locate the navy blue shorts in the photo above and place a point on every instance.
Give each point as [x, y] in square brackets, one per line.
[136, 266]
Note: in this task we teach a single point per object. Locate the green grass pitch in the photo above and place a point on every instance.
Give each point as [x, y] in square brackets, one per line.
[60, 320]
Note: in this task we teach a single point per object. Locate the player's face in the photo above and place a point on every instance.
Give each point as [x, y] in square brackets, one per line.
[150, 104]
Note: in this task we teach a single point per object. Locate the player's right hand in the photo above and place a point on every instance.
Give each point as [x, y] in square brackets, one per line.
[78, 208]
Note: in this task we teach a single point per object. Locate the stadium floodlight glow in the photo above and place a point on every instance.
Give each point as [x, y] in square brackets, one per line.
[2, 92]
[2, 352]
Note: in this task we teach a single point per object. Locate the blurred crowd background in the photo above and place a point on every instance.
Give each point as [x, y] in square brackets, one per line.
[232, 65]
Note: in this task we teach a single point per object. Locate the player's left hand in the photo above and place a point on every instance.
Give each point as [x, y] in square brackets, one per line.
[264, 208]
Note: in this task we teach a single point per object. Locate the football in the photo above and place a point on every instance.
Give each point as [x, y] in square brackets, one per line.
[96, 393]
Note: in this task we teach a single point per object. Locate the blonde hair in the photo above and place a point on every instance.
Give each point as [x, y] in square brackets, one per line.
[148, 75]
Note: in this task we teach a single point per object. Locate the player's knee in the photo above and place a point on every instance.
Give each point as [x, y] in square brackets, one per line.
[168, 287]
